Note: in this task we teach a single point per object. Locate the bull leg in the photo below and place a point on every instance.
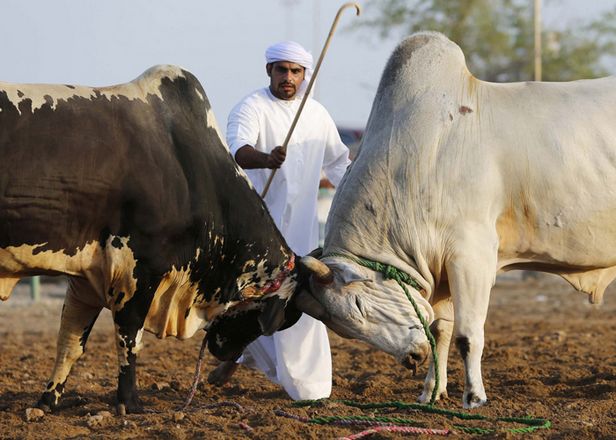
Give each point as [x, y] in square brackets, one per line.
[471, 274]
[129, 319]
[76, 323]
[128, 343]
[442, 329]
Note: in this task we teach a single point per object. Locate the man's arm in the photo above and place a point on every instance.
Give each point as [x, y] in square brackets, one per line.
[249, 158]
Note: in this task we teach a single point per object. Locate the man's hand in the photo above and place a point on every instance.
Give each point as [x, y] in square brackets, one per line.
[276, 157]
[249, 158]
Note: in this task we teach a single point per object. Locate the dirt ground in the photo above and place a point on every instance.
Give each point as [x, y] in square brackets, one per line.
[548, 354]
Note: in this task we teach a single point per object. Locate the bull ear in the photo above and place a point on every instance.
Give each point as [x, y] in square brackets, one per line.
[321, 272]
[350, 274]
[272, 317]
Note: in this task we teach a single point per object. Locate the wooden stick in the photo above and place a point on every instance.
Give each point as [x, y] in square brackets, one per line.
[309, 88]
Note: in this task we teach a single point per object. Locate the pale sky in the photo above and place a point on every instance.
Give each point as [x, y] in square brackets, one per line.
[97, 43]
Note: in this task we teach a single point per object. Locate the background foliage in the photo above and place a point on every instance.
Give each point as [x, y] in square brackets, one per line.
[497, 36]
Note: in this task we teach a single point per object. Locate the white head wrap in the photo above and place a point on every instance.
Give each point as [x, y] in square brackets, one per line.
[294, 53]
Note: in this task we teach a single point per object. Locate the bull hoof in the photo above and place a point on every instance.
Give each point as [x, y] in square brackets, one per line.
[472, 400]
[47, 402]
[121, 409]
[132, 407]
[43, 406]
[222, 373]
[426, 396]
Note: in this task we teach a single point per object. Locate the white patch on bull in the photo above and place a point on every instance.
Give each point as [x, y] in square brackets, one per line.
[253, 270]
[138, 341]
[6, 287]
[103, 268]
[239, 171]
[211, 122]
[199, 94]
[122, 347]
[139, 89]
[175, 297]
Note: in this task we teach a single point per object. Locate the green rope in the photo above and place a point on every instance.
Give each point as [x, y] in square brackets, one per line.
[402, 278]
[325, 420]
[532, 424]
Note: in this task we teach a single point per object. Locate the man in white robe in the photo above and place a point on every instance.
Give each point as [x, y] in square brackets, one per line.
[299, 357]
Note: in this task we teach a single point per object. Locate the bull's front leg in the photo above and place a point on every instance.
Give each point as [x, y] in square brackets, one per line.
[471, 272]
[128, 344]
[77, 320]
[129, 318]
[442, 330]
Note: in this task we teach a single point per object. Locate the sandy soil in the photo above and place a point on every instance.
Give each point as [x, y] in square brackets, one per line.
[548, 354]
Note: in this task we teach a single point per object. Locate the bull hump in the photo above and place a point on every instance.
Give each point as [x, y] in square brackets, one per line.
[39, 95]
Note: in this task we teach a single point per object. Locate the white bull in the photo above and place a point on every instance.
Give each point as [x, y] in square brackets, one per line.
[456, 180]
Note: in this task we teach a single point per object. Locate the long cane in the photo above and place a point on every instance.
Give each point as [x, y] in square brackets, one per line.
[309, 88]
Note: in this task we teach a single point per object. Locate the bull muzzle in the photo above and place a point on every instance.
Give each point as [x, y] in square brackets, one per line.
[416, 358]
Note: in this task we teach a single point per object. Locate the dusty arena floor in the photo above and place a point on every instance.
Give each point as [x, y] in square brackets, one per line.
[548, 354]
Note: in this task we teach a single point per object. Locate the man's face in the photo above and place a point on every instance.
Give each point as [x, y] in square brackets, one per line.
[285, 78]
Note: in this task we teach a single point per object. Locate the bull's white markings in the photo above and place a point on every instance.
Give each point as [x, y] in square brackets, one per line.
[211, 122]
[103, 268]
[199, 94]
[122, 347]
[239, 171]
[174, 296]
[138, 340]
[138, 89]
[258, 270]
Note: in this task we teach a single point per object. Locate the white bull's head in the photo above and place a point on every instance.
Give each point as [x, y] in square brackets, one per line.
[359, 303]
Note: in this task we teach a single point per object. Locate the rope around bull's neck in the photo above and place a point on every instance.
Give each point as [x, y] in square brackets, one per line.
[403, 279]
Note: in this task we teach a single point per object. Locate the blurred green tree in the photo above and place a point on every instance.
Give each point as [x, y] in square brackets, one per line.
[497, 36]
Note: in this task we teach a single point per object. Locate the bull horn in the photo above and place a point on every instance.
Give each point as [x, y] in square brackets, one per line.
[322, 273]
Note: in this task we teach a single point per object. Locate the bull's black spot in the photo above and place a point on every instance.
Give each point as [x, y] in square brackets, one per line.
[187, 313]
[48, 100]
[49, 385]
[121, 343]
[69, 86]
[117, 243]
[463, 345]
[86, 333]
[60, 387]
[119, 298]
[104, 235]
[435, 330]
[20, 93]
[469, 398]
